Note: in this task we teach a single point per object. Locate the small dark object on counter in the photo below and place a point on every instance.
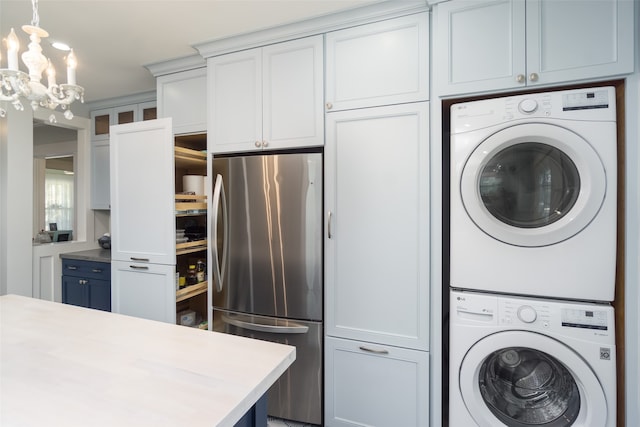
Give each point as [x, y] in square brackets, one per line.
[105, 241]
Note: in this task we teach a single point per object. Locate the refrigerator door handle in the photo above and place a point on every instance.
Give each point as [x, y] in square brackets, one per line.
[329, 216]
[294, 328]
[218, 197]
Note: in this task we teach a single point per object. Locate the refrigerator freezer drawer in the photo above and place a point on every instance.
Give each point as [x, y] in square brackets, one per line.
[297, 394]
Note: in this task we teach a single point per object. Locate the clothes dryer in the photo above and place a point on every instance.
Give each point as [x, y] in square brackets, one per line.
[530, 362]
[533, 194]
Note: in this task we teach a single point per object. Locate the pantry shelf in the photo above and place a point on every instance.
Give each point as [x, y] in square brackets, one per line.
[190, 247]
[191, 291]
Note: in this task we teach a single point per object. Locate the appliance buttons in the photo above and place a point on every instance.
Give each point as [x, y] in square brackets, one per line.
[528, 106]
[527, 314]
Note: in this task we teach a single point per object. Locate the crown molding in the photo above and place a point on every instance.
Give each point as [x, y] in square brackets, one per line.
[350, 18]
[176, 65]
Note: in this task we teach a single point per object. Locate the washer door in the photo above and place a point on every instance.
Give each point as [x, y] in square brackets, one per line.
[533, 184]
[525, 379]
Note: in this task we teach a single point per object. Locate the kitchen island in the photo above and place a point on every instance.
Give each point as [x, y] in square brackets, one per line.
[62, 365]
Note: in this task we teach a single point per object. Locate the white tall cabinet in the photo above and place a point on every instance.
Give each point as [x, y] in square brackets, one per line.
[377, 226]
[268, 97]
[485, 45]
[143, 220]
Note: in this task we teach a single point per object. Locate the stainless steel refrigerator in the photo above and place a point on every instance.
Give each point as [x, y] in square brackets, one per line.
[266, 224]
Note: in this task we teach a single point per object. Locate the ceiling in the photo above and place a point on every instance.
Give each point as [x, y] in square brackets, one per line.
[114, 39]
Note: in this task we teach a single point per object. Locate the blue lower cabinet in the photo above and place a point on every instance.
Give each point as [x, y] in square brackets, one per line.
[256, 416]
[86, 284]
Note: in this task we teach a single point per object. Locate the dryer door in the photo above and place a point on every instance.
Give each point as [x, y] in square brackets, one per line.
[526, 379]
[533, 184]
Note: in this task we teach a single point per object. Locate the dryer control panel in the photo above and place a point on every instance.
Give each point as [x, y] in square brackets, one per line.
[592, 104]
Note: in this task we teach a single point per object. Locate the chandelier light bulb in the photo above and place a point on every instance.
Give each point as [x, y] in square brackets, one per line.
[72, 63]
[51, 75]
[13, 45]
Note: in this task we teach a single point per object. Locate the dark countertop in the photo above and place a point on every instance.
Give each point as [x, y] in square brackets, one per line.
[98, 255]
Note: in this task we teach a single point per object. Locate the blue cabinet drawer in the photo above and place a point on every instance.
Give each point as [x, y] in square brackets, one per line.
[86, 269]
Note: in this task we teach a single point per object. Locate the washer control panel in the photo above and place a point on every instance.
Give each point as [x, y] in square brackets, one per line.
[584, 319]
[527, 312]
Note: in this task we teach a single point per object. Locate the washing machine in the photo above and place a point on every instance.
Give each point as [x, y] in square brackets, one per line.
[523, 361]
[533, 194]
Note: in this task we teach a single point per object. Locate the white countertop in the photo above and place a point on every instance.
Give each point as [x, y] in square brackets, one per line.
[62, 365]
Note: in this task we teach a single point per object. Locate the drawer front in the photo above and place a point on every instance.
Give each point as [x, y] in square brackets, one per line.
[86, 269]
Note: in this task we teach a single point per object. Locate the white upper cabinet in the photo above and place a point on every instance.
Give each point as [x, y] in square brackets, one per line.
[267, 98]
[377, 64]
[485, 45]
[377, 230]
[142, 192]
[183, 97]
[101, 120]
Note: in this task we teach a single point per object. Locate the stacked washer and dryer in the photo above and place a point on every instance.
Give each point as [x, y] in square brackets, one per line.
[532, 262]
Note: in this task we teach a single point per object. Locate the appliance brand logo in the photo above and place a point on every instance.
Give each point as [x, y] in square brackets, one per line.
[605, 353]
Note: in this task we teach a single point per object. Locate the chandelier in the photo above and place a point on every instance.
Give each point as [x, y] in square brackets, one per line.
[16, 84]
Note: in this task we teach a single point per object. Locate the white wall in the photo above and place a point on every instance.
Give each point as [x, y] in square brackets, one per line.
[25, 269]
[16, 200]
[632, 240]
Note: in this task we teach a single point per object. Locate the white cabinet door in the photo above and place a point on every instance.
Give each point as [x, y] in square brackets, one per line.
[578, 40]
[479, 45]
[183, 97]
[485, 45]
[235, 101]
[144, 290]
[376, 64]
[267, 98]
[100, 188]
[370, 385]
[292, 94]
[142, 192]
[377, 231]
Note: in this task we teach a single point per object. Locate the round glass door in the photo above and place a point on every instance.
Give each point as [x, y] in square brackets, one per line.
[526, 387]
[533, 185]
[525, 379]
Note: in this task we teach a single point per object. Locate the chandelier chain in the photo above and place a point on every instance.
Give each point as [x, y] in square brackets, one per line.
[35, 20]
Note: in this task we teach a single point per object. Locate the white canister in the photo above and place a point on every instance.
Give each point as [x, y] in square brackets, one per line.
[193, 184]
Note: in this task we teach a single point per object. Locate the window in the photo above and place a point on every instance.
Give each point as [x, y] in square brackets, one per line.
[59, 186]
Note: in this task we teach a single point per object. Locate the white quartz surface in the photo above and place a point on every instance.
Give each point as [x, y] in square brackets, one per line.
[62, 365]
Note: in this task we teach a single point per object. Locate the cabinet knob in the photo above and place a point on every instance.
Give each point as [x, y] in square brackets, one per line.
[265, 143]
[329, 106]
[258, 144]
[520, 78]
[533, 77]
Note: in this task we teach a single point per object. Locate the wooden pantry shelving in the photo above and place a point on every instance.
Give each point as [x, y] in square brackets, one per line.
[191, 291]
[190, 158]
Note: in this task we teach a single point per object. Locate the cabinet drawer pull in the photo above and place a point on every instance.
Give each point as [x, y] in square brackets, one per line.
[71, 267]
[373, 350]
[139, 267]
[96, 270]
[140, 259]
